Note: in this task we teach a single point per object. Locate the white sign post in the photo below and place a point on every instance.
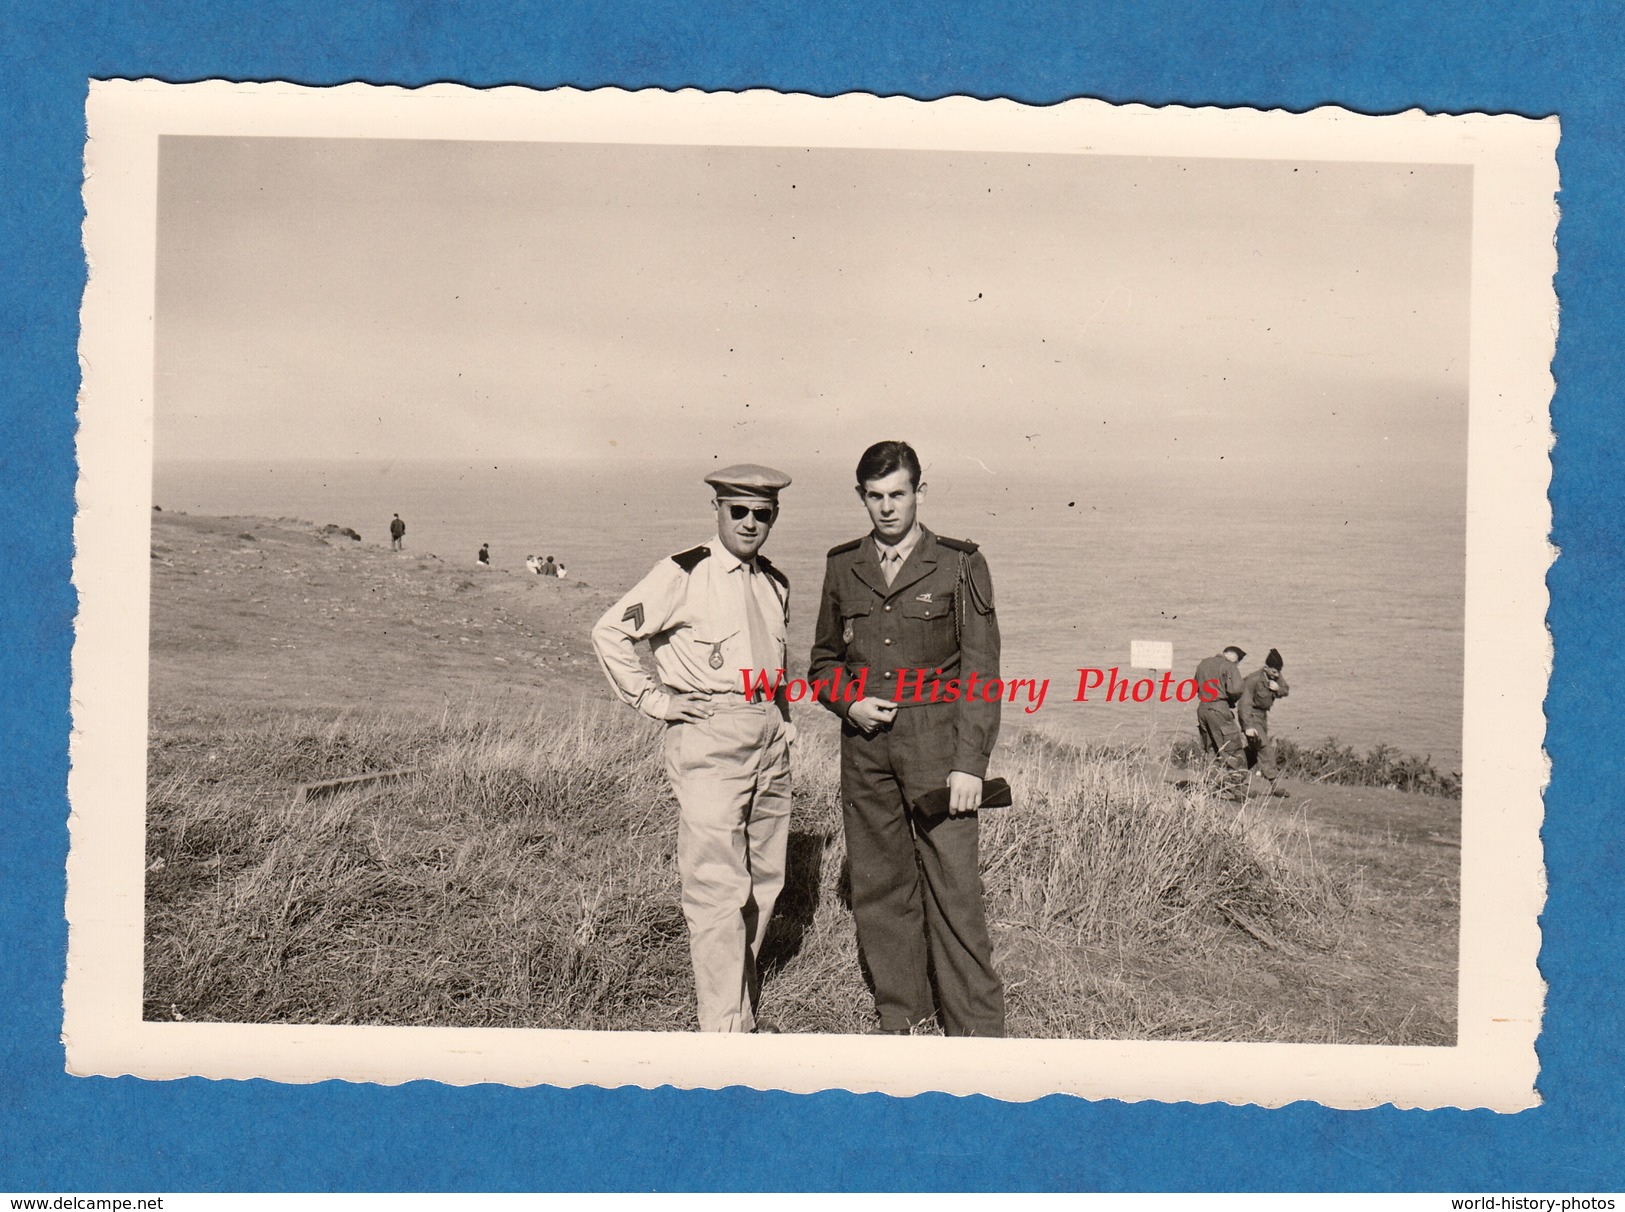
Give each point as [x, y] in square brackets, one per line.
[1157, 656]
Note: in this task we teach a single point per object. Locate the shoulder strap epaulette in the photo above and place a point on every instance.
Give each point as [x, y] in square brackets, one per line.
[766, 565]
[843, 548]
[964, 545]
[689, 560]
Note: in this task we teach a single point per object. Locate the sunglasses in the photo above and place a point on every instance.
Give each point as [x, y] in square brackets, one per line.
[762, 513]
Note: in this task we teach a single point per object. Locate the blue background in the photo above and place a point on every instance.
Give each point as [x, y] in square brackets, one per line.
[63, 1134]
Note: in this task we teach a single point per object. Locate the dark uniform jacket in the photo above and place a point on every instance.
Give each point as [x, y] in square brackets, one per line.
[1257, 698]
[936, 616]
[1225, 672]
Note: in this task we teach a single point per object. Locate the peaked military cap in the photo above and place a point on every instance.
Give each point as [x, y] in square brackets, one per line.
[748, 482]
[1273, 661]
[1241, 653]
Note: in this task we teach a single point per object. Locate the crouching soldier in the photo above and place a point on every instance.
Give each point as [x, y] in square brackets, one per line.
[1216, 716]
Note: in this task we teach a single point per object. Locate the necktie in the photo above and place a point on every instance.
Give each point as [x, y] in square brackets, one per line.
[764, 654]
[890, 563]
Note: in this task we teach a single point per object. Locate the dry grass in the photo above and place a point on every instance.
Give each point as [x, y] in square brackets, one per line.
[1331, 761]
[1131, 910]
[525, 877]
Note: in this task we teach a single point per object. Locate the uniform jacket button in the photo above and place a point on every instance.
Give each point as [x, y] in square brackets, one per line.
[888, 639]
[888, 609]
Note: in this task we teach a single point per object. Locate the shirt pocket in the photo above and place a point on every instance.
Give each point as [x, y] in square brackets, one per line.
[856, 629]
[929, 627]
[720, 655]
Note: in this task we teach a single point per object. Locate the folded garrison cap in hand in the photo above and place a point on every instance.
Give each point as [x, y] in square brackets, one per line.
[995, 794]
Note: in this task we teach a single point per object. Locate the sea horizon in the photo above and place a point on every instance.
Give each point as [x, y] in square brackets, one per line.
[1356, 574]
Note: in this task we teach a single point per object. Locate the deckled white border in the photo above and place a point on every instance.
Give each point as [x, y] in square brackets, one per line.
[1507, 659]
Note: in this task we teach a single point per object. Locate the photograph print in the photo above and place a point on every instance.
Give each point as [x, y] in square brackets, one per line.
[717, 586]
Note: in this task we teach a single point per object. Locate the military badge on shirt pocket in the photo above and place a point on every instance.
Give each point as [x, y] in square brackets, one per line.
[923, 608]
[851, 612]
[848, 631]
[714, 658]
[930, 625]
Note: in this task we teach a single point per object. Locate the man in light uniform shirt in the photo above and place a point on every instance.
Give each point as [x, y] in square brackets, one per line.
[712, 614]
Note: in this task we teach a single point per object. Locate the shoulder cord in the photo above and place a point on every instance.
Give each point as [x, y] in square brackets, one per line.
[959, 599]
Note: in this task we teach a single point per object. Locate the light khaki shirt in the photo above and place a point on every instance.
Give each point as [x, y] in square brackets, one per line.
[696, 627]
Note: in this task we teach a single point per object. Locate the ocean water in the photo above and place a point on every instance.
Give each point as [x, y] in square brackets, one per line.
[1356, 574]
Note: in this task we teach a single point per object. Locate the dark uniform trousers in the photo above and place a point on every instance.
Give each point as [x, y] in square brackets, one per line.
[916, 885]
[1221, 738]
[1261, 751]
[1215, 719]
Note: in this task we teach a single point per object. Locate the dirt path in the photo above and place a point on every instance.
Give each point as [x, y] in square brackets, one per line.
[1385, 973]
[279, 614]
[1403, 853]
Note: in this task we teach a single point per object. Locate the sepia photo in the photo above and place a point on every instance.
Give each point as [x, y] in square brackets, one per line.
[747, 589]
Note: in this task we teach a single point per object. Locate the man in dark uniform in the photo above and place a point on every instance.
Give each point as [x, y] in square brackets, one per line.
[1259, 690]
[1216, 717]
[897, 602]
[397, 533]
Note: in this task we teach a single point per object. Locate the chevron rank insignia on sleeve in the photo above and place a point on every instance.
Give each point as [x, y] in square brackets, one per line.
[634, 612]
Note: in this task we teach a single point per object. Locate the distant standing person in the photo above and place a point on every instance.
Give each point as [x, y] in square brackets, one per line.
[484, 558]
[1259, 690]
[1216, 717]
[711, 614]
[397, 533]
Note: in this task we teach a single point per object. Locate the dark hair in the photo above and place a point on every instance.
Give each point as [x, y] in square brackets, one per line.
[883, 458]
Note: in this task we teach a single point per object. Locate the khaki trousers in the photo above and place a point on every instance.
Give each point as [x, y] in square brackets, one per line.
[731, 774]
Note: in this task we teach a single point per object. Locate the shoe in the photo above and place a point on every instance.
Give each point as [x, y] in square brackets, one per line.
[1280, 793]
[763, 1027]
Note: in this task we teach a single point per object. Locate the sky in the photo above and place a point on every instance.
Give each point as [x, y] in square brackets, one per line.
[396, 299]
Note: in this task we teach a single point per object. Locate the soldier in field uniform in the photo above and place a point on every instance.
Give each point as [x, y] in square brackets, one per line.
[1259, 690]
[1216, 718]
[896, 600]
[710, 613]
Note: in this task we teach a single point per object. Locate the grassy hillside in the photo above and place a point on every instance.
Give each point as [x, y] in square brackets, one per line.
[524, 875]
